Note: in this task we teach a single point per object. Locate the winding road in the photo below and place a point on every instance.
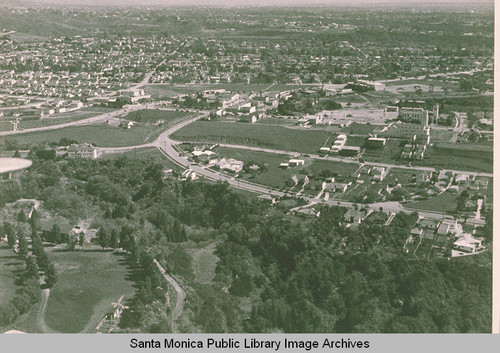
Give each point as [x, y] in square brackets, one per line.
[166, 145]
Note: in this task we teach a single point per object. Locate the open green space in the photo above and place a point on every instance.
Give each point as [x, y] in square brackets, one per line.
[281, 138]
[358, 129]
[277, 177]
[438, 136]
[358, 141]
[279, 122]
[337, 168]
[391, 152]
[446, 202]
[145, 153]
[461, 157]
[10, 265]
[89, 281]
[101, 135]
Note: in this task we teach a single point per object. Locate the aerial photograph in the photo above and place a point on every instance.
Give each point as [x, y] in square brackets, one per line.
[246, 166]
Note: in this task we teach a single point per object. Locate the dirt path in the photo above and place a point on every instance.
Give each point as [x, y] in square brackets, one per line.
[41, 313]
[181, 295]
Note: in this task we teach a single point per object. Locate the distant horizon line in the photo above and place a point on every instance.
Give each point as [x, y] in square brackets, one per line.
[244, 3]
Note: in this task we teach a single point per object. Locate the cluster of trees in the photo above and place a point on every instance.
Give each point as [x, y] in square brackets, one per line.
[325, 278]
[38, 261]
[26, 296]
[149, 309]
[29, 279]
[275, 272]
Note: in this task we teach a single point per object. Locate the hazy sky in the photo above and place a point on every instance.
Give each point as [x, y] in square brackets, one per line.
[238, 2]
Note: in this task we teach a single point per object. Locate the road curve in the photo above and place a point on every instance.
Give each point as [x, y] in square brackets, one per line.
[166, 145]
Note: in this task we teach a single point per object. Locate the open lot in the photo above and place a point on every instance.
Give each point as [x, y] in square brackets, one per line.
[459, 156]
[391, 152]
[89, 281]
[145, 153]
[337, 168]
[358, 129]
[446, 202]
[101, 135]
[281, 138]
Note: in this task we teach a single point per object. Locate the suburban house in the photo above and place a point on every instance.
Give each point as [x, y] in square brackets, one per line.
[230, 164]
[189, 174]
[467, 243]
[378, 173]
[353, 216]
[338, 187]
[85, 150]
[296, 162]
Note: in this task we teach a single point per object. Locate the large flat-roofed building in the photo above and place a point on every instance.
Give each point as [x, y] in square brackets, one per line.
[350, 151]
[414, 116]
[132, 95]
[375, 142]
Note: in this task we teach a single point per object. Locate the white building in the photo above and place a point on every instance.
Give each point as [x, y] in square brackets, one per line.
[230, 164]
[296, 162]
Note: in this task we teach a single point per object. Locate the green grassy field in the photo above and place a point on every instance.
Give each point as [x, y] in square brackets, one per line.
[10, 265]
[145, 153]
[101, 135]
[275, 176]
[279, 122]
[305, 141]
[341, 169]
[89, 281]
[460, 156]
[358, 141]
[391, 153]
[358, 129]
[446, 202]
